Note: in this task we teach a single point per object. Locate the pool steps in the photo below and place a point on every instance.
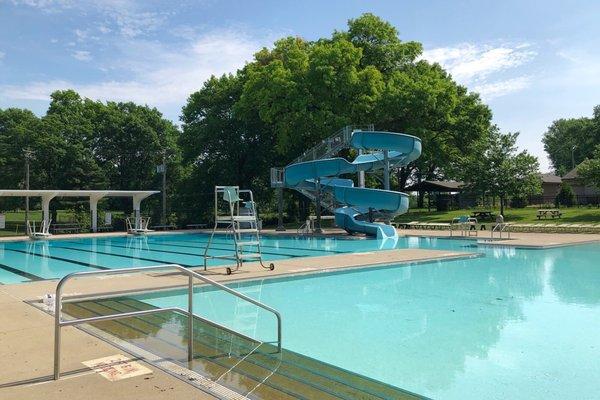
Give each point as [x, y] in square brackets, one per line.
[245, 366]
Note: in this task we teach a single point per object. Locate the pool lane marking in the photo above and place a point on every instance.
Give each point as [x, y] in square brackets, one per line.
[24, 274]
[262, 245]
[176, 252]
[59, 258]
[124, 256]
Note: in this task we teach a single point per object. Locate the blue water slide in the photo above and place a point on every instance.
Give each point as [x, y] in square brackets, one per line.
[359, 206]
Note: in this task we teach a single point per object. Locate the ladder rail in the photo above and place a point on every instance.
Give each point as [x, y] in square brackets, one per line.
[59, 322]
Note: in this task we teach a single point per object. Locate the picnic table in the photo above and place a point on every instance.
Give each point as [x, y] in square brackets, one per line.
[483, 215]
[550, 212]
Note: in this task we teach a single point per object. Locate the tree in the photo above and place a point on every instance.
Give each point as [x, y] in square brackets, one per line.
[566, 195]
[299, 92]
[589, 169]
[496, 168]
[570, 141]
[19, 130]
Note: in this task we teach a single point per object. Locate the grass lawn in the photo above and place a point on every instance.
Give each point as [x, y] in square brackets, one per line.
[524, 215]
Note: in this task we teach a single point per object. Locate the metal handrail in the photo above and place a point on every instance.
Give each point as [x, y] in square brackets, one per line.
[59, 322]
[503, 226]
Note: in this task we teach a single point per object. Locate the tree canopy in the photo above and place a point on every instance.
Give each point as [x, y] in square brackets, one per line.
[589, 169]
[496, 168]
[85, 144]
[236, 126]
[570, 141]
[299, 92]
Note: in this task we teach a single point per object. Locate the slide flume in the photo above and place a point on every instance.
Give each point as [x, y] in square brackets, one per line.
[357, 208]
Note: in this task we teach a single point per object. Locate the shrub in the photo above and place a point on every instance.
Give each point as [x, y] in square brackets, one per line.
[566, 196]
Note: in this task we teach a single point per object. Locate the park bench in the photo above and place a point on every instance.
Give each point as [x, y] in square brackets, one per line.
[196, 226]
[551, 212]
[67, 227]
[164, 227]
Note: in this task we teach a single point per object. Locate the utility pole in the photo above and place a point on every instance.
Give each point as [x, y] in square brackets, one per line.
[573, 157]
[28, 154]
[164, 188]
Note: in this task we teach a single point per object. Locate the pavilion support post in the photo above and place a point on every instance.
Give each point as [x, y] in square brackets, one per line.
[46, 209]
[137, 202]
[94, 212]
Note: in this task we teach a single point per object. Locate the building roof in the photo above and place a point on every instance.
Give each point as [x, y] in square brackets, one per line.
[436, 186]
[550, 178]
[572, 174]
[140, 194]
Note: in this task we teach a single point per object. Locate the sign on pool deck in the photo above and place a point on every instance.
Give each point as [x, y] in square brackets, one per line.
[117, 367]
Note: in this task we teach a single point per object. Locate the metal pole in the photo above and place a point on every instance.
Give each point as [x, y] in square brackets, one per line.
[361, 174]
[164, 189]
[190, 318]
[28, 154]
[280, 226]
[386, 170]
[573, 157]
[57, 332]
[318, 207]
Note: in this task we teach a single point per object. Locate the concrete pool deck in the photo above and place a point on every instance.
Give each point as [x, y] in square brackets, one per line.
[26, 333]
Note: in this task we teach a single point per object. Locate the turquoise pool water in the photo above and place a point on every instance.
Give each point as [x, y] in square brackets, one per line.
[514, 324]
[23, 261]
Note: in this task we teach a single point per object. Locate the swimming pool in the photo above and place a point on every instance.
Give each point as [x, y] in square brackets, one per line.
[514, 324]
[23, 261]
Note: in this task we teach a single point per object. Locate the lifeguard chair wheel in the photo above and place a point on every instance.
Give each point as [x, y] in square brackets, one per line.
[271, 267]
[228, 271]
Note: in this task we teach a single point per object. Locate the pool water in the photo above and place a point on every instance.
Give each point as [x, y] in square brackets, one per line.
[514, 324]
[23, 261]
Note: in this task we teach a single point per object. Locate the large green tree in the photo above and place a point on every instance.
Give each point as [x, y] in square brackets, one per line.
[589, 169]
[570, 141]
[496, 168]
[299, 92]
[85, 144]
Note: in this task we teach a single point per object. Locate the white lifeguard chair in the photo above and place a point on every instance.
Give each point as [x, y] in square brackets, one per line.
[239, 217]
[41, 232]
[139, 227]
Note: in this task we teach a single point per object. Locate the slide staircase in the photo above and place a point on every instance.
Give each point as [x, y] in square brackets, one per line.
[316, 174]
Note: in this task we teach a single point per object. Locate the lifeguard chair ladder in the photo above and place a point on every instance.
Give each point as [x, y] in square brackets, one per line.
[241, 219]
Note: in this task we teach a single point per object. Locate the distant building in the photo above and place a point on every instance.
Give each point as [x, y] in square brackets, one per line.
[550, 185]
[579, 187]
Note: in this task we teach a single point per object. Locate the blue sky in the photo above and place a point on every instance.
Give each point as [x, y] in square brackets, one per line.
[532, 61]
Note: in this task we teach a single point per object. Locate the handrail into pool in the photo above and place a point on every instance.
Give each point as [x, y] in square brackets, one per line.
[59, 322]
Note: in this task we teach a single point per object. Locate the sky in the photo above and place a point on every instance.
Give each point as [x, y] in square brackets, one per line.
[531, 61]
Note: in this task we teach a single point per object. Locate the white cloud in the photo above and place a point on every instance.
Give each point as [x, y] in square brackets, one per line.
[160, 76]
[489, 91]
[104, 29]
[82, 55]
[81, 34]
[2, 54]
[48, 6]
[478, 66]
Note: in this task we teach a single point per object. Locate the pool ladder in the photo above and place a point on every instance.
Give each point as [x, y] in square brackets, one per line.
[59, 322]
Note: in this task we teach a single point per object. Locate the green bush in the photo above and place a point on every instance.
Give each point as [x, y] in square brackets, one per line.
[566, 196]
